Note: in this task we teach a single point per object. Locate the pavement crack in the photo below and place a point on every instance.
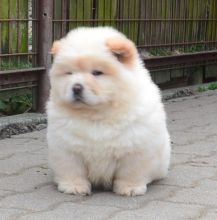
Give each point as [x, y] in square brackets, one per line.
[36, 188]
[189, 203]
[128, 209]
[55, 206]
[202, 214]
[7, 157]
[21, 171]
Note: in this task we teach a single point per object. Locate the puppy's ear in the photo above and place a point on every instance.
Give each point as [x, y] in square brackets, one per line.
[56, 47]
[124, 49]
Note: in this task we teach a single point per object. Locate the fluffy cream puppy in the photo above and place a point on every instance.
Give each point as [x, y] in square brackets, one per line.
[106, 121]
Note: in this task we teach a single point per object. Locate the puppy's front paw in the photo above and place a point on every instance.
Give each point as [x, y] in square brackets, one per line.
[76, 188]
[126, 189]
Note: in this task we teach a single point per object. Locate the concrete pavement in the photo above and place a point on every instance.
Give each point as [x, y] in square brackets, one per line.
[189, 192]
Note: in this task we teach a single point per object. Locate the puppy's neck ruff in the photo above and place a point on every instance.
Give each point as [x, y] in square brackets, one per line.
[104, 113]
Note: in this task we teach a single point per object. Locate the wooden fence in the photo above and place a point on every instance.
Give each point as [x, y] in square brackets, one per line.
[176, 38]
[14, 36]
[163, 27]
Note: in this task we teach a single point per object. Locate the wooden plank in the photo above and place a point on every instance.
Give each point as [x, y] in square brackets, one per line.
[23, 33]
[143, 24]
[88, 11]
[4, 8]
[211, 26]
[158, 24]
[72, 13]
[57, 15]
[64, 26]
[13, 36]
[80, 10]
[124, 14]
[106, 9]
[33, 34]
[134, 25]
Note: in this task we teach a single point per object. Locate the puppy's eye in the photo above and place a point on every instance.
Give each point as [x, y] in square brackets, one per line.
[68, 73]
[97, 73]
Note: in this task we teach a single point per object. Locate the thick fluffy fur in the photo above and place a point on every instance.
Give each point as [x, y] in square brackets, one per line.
[115, 135]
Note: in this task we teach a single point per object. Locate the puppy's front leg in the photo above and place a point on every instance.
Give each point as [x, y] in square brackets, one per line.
[70, 173]
[132, 175]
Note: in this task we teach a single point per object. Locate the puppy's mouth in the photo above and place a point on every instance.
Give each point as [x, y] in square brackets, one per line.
[79, 99]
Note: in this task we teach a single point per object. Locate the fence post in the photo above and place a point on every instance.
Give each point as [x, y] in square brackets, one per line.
[45, 11]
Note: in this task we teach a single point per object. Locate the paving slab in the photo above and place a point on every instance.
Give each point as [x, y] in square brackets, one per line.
[189, 192]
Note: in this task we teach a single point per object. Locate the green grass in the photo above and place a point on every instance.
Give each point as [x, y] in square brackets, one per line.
[211, 86]
[12, 65]
[202, 89]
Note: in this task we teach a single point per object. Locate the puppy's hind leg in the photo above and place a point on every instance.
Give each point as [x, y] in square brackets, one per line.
[70, 173]
[132, 175]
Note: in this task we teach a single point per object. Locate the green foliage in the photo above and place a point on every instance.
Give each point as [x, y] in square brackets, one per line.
[6, 65]
[16, 104]
[160, 52]
[202, 89]
[212, 86]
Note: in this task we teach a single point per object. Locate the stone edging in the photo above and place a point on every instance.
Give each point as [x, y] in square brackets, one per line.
[20, 124]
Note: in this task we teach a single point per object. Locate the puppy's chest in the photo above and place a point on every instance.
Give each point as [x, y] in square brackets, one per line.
[94, 132]
[103, 140]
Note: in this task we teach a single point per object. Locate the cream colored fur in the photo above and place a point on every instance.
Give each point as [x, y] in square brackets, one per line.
[117, 136]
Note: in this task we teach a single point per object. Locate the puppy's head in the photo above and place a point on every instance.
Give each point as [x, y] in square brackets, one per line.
[93, 67]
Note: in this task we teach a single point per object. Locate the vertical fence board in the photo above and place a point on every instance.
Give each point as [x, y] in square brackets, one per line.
[23, 31]
[202, 25]
[177, 8]
[33, 36]
[57, 14]
[13, 32]
[4, 14]
[123, 14]
[80, 10]
[72, 13]
[88, 11]
[133, 14]
[211, 30]
[106, 9]
[143, 26]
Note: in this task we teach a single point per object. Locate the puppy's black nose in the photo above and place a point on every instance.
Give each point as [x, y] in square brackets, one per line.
[77, 89]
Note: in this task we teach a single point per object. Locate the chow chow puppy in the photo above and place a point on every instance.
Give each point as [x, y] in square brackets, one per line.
[106, 122]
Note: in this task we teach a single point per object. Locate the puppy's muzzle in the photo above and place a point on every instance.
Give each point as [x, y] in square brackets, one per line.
[77, 91]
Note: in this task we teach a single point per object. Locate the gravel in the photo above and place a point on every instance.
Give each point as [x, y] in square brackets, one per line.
[20, 124]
